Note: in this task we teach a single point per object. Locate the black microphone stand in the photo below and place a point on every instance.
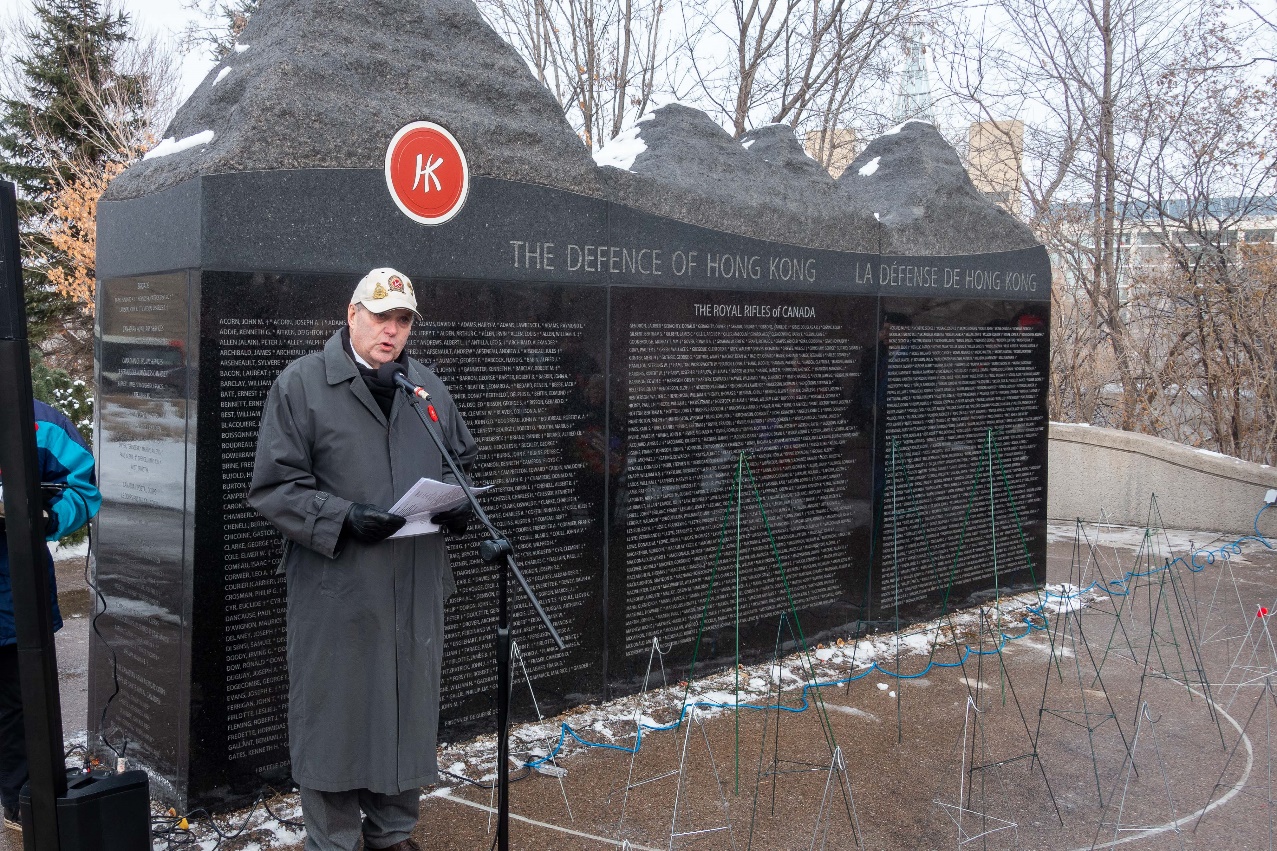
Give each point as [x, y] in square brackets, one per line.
[496, 547]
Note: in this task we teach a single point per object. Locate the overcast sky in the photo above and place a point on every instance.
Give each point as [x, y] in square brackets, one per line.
[165, 18]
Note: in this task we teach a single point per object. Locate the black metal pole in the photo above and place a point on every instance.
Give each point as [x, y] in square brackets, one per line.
[33, 618]
[491, 550]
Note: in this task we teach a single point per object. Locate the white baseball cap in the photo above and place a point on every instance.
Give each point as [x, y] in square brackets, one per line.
[385, 289]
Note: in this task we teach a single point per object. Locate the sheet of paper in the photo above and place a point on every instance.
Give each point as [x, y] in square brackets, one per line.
[425, 499]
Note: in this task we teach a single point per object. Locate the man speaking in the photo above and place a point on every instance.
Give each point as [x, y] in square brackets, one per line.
[338, 446]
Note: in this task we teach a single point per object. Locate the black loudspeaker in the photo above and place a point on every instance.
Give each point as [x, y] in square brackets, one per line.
[102, 811]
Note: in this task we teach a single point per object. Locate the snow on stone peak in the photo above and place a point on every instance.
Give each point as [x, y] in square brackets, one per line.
[172, 146]
[870, 167]
[622, 151]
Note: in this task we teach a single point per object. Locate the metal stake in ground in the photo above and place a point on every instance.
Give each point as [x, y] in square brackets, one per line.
[1268, 698]
[779, 765]
[734, 509]
[545, 763]
[1068, 628]
[656, 654]
[1147, 727]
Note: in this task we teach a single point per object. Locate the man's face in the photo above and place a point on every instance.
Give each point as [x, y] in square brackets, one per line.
[378, 338]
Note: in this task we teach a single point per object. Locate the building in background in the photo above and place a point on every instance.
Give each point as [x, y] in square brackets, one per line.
[833, 149]
[995, 157]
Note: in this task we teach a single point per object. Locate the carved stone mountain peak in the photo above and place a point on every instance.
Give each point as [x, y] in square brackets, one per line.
[326, 83]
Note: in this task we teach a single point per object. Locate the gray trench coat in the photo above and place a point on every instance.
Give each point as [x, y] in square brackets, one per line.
[365, 622]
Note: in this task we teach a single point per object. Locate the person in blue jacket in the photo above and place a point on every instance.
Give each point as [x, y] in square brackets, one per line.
[64, 459]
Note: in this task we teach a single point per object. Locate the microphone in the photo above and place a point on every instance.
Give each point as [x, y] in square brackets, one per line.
[494, 549]
[394, 371]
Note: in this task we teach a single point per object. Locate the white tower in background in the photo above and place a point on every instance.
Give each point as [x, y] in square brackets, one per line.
[913, 97]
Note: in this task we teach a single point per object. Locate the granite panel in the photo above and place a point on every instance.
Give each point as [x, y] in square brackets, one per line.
[138, 681]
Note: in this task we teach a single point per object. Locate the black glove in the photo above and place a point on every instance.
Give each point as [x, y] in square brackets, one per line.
[51, 521]
[454, 520]
[370, 524]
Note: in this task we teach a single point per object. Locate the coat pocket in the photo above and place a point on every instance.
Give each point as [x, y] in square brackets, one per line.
[334, 579]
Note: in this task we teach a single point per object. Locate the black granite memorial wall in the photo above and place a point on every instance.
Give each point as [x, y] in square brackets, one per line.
[616, 339]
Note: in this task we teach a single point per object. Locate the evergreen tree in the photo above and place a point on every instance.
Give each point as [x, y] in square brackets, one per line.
[50, 124]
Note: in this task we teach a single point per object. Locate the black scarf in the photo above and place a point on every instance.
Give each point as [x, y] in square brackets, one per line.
[382, 390]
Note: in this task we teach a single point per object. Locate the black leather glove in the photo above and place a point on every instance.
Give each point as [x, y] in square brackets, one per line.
[370, 524]
[51, 521]
[454, 520]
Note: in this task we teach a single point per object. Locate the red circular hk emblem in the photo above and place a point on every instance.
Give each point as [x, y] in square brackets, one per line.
[427, 173]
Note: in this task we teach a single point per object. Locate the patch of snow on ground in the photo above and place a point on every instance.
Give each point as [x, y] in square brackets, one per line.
[60, 552]
[718, 697]
[919, 643]
[172, 146]
[622, 151]
[221, 75]
[747, 143]
[535, 732]
[869, 168]
[1064, 603]
[240, 48]
[851, 710]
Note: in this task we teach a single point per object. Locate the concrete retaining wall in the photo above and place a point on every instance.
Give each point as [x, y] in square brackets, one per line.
[1094, 470]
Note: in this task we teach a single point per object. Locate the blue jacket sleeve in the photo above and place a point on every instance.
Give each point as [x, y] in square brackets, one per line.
[64, 460]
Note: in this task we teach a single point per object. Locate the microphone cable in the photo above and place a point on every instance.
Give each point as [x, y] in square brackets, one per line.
[115, 662]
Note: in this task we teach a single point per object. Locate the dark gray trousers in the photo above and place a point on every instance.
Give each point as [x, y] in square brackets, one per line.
[333, 821]
[13, 742]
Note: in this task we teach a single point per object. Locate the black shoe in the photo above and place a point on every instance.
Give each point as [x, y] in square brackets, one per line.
[11, 820]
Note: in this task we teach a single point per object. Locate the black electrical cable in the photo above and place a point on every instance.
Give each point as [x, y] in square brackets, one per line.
[221, 835]
[115, 662]
[280, 819]
[170, 824]
[170, 830]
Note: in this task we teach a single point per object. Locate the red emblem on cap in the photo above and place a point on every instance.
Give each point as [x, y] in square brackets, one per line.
[396, 284]
[427, 173]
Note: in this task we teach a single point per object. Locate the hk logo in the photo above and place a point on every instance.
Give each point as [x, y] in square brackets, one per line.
[427, 173]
